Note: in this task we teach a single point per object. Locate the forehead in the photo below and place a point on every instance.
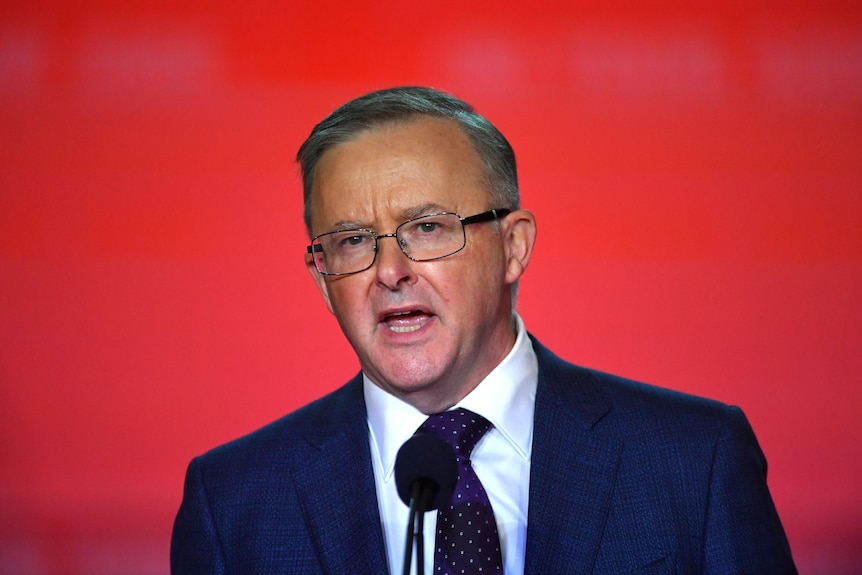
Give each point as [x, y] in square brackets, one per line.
[390, 170]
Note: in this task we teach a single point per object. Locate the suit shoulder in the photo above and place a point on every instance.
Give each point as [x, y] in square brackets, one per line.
[629, 403]
[666, 418]
[333, 413]
[630, 395]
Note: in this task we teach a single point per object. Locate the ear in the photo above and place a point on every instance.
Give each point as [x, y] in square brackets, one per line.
[519, 235]
[319, 280]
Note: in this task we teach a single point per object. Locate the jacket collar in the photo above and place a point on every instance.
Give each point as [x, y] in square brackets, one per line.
[573, 469]
[336, 487]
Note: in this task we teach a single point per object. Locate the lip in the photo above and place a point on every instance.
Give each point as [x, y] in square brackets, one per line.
[405, 320]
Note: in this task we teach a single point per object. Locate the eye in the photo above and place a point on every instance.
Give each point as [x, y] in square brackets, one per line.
[351, 241]
[347, 242]
[427, 227]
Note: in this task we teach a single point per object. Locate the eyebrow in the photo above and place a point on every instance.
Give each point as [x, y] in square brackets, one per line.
[349, 225]
[407, 214]
[422, 210]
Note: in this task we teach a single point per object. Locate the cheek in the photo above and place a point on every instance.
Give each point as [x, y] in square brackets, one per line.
[346, 300]
[470, 286]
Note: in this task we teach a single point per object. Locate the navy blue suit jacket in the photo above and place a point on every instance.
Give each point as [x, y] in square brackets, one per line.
[625, 478]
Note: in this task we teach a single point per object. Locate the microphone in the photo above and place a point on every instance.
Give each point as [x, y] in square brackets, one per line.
[426, 471]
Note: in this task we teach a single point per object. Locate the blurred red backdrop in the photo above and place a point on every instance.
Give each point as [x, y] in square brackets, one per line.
[694, 168]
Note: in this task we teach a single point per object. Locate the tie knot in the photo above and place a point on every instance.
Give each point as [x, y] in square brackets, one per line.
[460, 427]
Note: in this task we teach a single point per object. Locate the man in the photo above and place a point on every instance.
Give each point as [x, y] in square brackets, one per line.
[418, 243]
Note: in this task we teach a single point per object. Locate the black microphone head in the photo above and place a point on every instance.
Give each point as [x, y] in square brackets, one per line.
[429, 459]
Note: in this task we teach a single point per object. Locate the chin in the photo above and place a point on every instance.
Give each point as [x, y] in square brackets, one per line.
[409, 379]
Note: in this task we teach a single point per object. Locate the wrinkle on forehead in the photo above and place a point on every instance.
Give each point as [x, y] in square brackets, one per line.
[388, 175]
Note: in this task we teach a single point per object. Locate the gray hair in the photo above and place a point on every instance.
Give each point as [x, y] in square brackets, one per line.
[403, 104]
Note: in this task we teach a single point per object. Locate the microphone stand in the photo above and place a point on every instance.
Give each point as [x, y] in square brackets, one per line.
[415, 525]
[420, 544]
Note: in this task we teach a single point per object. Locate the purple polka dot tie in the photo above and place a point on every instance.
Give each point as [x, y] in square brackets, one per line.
[467, 540]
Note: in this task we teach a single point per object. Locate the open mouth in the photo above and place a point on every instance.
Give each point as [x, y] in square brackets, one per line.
[406, 321]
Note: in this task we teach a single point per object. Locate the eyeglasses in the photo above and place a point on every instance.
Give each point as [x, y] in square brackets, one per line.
[422, 239]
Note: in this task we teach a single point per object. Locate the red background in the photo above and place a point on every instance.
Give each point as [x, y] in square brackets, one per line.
[695, 170]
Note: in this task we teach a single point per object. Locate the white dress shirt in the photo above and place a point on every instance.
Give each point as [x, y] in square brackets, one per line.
[501, 459]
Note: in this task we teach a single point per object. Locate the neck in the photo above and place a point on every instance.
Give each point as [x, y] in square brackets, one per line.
[441, 395]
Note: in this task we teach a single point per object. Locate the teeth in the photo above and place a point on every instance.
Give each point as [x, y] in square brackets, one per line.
[404, 329]
[405, 321]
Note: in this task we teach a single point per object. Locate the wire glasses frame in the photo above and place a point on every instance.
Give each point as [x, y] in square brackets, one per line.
[422, 239]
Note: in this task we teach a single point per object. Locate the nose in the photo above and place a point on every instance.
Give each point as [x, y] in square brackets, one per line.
[392, 268]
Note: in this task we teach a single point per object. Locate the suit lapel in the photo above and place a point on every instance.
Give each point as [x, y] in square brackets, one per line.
[573, 469]
[337, 490]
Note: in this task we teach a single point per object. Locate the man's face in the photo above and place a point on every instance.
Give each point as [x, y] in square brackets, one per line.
[427, 332]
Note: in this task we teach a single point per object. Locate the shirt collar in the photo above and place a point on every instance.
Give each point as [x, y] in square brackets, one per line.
[506, 398]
